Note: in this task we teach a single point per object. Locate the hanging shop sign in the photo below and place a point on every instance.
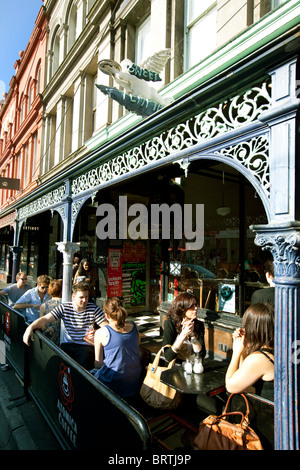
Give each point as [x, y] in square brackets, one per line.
[136, 94]
[9, 183]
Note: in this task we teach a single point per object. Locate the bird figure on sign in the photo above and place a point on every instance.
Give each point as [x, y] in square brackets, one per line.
[138, 95]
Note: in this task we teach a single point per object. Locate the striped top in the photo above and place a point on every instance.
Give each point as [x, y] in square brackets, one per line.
[77, 323]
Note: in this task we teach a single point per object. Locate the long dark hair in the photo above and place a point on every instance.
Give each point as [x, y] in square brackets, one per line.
[81, 271]
[179, 306]
[113, 308]
[258, 322]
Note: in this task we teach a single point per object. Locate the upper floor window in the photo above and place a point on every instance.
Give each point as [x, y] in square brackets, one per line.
[29, 94]
[276, 3]
[22, 109]
[73, 27]
[143, 41]
[38, 80]
[200, 30]
[56, 57]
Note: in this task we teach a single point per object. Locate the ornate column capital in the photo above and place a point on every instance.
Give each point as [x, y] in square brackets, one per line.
[284, 243]
[68, 248]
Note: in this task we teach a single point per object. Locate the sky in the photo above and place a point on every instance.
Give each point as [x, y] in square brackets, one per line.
[17, 20]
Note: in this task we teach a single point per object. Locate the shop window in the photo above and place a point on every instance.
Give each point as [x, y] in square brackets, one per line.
[200, 30]
[226, 270]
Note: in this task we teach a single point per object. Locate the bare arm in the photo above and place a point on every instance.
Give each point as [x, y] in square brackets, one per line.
[22, 306]
[241, 374]
[100, 340]
[40, 323]
[42, 310]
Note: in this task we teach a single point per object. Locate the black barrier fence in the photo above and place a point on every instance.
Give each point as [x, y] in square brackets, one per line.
[82, 413]
[13, 327]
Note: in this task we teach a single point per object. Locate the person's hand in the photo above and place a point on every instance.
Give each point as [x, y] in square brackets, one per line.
[238, 337]
[187, 327]
[28, 335]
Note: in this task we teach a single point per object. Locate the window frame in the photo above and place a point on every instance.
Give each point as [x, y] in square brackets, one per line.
[188, 26]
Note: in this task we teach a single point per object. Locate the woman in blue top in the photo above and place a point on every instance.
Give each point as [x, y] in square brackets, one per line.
[117, 358]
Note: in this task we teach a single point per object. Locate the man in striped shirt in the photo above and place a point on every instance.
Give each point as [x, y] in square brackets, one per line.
[78, 317]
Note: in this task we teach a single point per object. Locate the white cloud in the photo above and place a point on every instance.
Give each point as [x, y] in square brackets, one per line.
[2, 88]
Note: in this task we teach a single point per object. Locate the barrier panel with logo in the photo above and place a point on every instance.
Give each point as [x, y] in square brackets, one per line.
[83, 413]
[13, 327]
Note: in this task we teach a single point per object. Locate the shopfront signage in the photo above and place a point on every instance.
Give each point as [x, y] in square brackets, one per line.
[9, 183]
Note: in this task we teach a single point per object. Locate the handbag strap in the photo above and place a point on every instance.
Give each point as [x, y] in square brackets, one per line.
[157, 358]
[246, 401]
[232, 413]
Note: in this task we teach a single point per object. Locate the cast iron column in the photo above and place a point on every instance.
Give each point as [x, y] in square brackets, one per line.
[68, 249]
[283, 241]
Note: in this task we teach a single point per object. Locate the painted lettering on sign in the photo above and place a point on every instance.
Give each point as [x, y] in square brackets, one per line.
[143, 74]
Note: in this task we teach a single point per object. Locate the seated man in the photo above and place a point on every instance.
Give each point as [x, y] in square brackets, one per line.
[16, 290]
[78, 316]
[32, 300]
[267, 294]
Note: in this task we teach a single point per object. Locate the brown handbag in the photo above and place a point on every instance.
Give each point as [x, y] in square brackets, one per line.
[154, 392]
[216, 433]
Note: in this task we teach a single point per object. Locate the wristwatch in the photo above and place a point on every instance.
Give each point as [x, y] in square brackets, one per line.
[193, 340]
[176, 350]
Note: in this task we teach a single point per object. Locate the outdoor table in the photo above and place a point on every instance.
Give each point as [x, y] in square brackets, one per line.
[209, 382]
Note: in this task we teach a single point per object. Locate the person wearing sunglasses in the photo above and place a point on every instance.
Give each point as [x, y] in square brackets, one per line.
[182, 330]
[34, 298]
[16, 290]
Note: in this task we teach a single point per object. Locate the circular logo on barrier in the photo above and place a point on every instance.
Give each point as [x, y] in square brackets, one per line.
[66, 387]
[7, 323]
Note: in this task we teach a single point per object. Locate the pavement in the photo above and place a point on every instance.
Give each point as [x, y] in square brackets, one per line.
[22, 427]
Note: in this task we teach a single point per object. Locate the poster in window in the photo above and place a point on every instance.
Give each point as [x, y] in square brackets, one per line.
[134, 284]
[134, 273]
[227, 298]
[114, 272]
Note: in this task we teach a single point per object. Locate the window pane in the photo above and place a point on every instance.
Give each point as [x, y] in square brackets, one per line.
[195, 8]
[143, 41]
[203, 33]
